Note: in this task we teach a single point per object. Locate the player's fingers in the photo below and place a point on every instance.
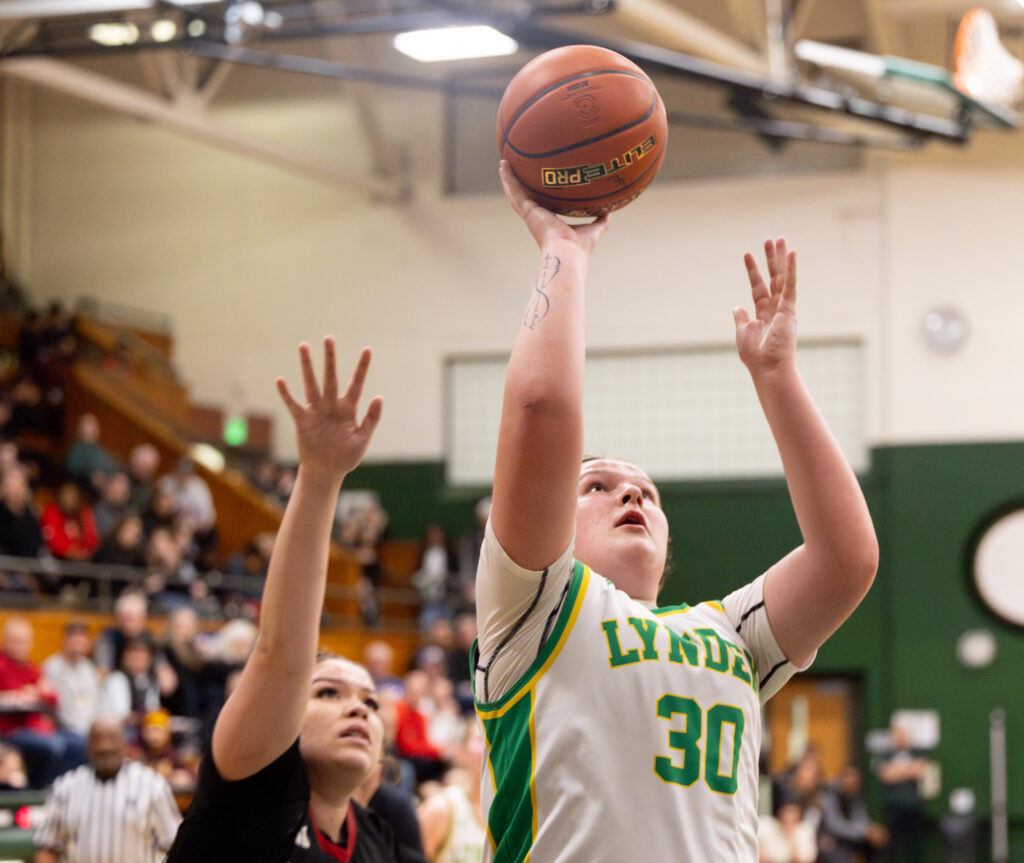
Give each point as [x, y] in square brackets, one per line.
[294, 408]
[741, 317]
[513, 188]
[778, 283]
[758, 289]
[789, 294]
[308, 375]
[355, 385]
[769, 256]
[594, 229]
[372, 417]
[330, 369]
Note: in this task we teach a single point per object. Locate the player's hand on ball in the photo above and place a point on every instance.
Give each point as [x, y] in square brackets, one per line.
[331, 439]
[543, 224]
[768, 340]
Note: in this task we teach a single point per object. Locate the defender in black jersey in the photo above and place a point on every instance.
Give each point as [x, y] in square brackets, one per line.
[299, 734]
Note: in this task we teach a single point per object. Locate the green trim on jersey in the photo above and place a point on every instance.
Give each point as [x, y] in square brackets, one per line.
[508, 726]
[578, 582]
[512, 756]
[670, 609]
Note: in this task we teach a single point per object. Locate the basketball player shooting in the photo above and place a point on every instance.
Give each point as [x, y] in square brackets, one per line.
[615, 729]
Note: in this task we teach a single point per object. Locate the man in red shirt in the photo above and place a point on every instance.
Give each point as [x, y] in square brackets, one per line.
[412, 730]
[26, 703]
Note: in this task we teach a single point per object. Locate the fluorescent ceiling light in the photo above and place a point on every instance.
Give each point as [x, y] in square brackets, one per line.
[114, 34]
[49, 8]
[454, 43]
[163, 30]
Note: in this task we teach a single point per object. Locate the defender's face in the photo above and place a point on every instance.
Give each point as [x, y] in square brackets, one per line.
[342, 728]
[621, 530]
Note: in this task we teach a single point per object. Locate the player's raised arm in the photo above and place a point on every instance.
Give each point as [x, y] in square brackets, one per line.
[263, 717]
[540, 442]
[812, 590]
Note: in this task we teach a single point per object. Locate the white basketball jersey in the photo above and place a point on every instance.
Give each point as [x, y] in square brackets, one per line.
[466, 836]
[635, 733]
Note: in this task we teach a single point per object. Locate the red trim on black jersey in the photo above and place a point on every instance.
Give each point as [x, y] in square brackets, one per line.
[341, 853]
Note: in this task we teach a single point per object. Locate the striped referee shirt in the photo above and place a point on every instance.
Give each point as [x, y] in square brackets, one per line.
[132, 817]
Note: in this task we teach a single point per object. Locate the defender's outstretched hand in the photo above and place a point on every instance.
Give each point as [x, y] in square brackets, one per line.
[769, 339]
[542, 223]
[331, 439]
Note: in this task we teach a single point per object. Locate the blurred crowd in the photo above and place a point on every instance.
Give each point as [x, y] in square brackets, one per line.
[166, 690]
[806, 819]
[82, 504]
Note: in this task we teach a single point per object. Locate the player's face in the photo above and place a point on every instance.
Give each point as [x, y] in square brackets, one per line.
[342, 733]
[621, 531]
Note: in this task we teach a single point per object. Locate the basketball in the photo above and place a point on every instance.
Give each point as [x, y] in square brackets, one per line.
[583, 128]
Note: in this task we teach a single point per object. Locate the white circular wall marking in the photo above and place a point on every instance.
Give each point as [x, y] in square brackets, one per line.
[999, 567]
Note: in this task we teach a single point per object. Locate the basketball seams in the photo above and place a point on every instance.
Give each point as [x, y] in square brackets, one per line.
[577, 144]
[538, 96]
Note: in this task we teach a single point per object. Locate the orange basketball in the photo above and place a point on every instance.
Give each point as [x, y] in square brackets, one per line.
[583, 128]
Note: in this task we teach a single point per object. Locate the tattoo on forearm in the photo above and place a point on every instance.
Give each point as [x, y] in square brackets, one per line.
[540, 304]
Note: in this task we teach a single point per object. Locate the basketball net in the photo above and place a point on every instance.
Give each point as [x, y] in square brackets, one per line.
[982, 67]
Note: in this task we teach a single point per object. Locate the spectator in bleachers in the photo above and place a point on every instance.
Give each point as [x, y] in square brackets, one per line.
[169, 574]
[469, 552]
[143, 463]
[13, 775]
[264, 476]
[156, 750]
[124, 545]
[29, 412]
[285, 484]
[9, 457]
[412, 730]
[29, 338]
[20, 533]
[439, 634]
[901, 770]
[451, 821]
[846, 831]
[56, 340]
[460, 657]
[30, 700]
[162, 512]
[379, 659]
[180, 647]
[130, 622]
[135, 687]
[431, 580]
[803, 780]
[113, 506]
[254, 559]
[75, 679]
[786, 836]
[68, 528]
[446, 723]
[362, 535]
[228, 653]
[250, 562]
[235, 641]
[88, 462]
[192, 496]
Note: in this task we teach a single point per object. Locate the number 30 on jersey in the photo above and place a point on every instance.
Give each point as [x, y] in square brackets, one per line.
[718, 721]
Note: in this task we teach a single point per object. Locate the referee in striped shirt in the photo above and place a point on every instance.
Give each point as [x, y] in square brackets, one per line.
[109, 810]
